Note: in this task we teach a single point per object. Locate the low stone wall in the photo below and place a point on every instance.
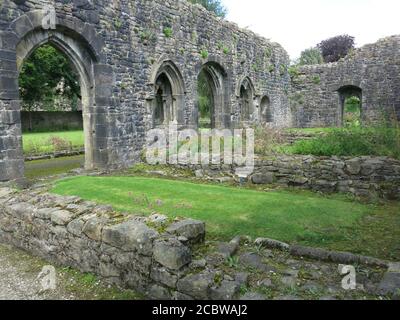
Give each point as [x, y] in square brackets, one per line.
[160, 258]
[360, 176]
[122, 249]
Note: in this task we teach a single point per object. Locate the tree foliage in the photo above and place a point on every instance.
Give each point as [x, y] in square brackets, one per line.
[46, 75]
[215, 6]
[311, 56]
[336, 48]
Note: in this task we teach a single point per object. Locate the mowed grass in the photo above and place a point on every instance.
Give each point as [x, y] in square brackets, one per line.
[295, 217]
[49, 142]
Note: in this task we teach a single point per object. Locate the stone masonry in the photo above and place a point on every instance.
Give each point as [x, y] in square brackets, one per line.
[123, 51]
[139, 63]
[164, 259]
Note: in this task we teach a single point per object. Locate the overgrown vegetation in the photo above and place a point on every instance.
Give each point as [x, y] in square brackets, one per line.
[352, 141]
[311, 56]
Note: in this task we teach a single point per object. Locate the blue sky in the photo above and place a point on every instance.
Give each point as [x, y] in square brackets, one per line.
[298, 25]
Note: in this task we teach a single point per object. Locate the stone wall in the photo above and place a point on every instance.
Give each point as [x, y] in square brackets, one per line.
[161, 259]
[315, 99]
[362, 176]
[51, 121]
[120, 50]
[123, 250]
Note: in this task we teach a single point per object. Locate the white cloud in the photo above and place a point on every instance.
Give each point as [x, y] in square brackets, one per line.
[298, 25]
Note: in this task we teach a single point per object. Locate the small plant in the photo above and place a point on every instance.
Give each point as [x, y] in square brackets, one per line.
[204, 53]
[271, 68]
[225, 50]
[282, 69]
[294, 71]
[316, 79]
[232, 262]
[117, 23]
[168, 32]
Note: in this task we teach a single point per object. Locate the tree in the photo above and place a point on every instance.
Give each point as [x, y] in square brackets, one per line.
[213, 5]
[336, 48]
[46, 76]
[311, 56]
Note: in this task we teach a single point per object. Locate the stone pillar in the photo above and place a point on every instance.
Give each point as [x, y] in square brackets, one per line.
[11, 155]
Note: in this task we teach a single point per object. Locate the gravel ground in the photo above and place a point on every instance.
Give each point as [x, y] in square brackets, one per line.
[19, 280]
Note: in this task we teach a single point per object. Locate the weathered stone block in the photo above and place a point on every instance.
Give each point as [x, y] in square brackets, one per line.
[61, 217]
[263, 178]
[197, 286]
[172, 254]
[130, 236]
[193, 230]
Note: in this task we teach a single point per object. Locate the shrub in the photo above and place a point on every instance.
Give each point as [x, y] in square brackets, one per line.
[336, 48]
[266, 140]
[310, 57]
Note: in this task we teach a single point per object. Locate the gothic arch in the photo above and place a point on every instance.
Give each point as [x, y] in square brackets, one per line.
[246, 94]
[167, 81]
[80, 43]
[217, 79]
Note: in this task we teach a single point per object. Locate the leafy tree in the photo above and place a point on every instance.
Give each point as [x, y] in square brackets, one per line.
[215, 6]
[336, 48]
[46, 76]
[311, 56]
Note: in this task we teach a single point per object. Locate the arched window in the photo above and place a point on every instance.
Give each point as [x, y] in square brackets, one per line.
[350, 99]
[212, 96]
[246, 101]
[169, 92]
[265, 109]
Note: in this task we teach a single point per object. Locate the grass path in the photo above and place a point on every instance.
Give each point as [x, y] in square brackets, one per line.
[295, 217]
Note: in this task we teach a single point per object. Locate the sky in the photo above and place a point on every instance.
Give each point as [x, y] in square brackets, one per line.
[301, 24]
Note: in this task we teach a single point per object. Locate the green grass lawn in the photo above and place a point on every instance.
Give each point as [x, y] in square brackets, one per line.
[49, 142]
[296, 217]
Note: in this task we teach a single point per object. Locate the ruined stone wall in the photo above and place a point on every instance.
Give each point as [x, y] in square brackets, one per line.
[374, 68]
[371, 177]
[118, 47]
[123, 250]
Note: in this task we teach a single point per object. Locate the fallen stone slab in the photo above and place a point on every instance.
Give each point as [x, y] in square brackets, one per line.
[272, 244]
[335, 256]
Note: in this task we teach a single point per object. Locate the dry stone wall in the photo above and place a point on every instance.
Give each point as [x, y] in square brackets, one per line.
[123, 250]
[372, 177]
